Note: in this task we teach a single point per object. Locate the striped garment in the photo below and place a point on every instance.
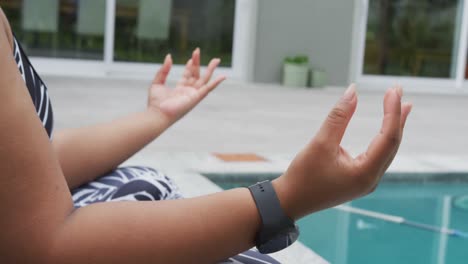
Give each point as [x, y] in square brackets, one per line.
[123, 184]
[36, 87]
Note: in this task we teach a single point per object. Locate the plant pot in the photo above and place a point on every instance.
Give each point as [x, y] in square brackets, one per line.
[296, 75]
[318, 79]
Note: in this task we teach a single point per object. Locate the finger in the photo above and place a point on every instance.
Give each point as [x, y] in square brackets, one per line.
[405, 111]
[209, 72]
[187, 74]
[335, 125]
[196, 63]
[206, 89]
[192, 69]
[403, 115]
[405, 108]
[164, 71]
[383, 147]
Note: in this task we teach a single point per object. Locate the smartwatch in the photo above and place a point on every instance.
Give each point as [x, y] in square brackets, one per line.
[277, 231]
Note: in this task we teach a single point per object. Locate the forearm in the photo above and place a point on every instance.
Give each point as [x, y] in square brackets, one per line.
[88, 152]
[199, 230]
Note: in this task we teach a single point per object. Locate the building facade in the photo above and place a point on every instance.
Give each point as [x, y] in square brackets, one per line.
[376, 43]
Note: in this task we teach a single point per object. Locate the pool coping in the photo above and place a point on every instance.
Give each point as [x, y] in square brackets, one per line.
[278, 163]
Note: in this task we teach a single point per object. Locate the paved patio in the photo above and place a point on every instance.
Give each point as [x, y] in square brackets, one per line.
[269, 120]
[266, 118]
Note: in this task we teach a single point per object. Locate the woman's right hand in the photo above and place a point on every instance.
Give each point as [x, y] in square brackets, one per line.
[323, 174]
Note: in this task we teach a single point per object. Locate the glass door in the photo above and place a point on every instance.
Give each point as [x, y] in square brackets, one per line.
[130, 37]
[412, 38]
[59, 28]
[420, 44]
[147, 30]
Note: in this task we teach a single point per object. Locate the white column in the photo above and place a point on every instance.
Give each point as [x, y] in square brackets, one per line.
[109, 33]
[462, 47]
[245, 31]
[362, 12]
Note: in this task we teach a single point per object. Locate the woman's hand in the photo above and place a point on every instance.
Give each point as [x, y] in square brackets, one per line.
[189, 91]
[325, 175]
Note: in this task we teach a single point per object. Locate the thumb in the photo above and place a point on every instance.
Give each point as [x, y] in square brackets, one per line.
[335, 125]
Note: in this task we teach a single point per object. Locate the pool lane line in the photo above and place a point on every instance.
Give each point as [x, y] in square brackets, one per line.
[402, 221]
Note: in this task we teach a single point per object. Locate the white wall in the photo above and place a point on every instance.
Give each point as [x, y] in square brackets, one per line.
[321, 29]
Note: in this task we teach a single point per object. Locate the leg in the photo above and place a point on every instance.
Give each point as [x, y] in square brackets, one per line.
[251, 257]
[127, 184]
[144, 184]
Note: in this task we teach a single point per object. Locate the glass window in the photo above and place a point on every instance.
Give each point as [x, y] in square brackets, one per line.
[146, 30]
[59, 28]
[412, 38]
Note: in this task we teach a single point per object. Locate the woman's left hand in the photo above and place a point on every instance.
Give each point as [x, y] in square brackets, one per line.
[189, 91]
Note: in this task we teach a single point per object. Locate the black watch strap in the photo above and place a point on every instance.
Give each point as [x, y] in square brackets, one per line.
[274, 221]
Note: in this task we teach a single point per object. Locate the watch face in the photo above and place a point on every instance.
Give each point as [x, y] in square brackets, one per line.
[281, 241]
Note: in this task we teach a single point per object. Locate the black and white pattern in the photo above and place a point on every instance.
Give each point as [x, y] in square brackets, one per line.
[36, 87]
[127, 184]
[123, 184]
[251, 257]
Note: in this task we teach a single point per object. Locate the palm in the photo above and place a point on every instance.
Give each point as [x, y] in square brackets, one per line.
[189, 91]
[173, 102]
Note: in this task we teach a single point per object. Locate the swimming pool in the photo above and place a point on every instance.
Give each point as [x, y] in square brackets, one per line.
[340, 237]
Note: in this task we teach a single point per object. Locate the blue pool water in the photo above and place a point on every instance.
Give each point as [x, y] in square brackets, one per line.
[341, 237]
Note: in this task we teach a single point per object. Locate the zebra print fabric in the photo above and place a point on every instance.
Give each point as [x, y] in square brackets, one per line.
[127, 184]
[36, 87]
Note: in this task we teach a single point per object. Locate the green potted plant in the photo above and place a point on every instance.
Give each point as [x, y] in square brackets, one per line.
[318, 78]
[296, 71]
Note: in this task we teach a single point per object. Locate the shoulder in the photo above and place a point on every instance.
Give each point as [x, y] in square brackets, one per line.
[5, 29]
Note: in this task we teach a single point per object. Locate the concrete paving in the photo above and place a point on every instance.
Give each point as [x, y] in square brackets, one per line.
[265, 118]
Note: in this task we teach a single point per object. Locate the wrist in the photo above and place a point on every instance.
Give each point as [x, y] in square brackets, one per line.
[286, 197]
[158, 117]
